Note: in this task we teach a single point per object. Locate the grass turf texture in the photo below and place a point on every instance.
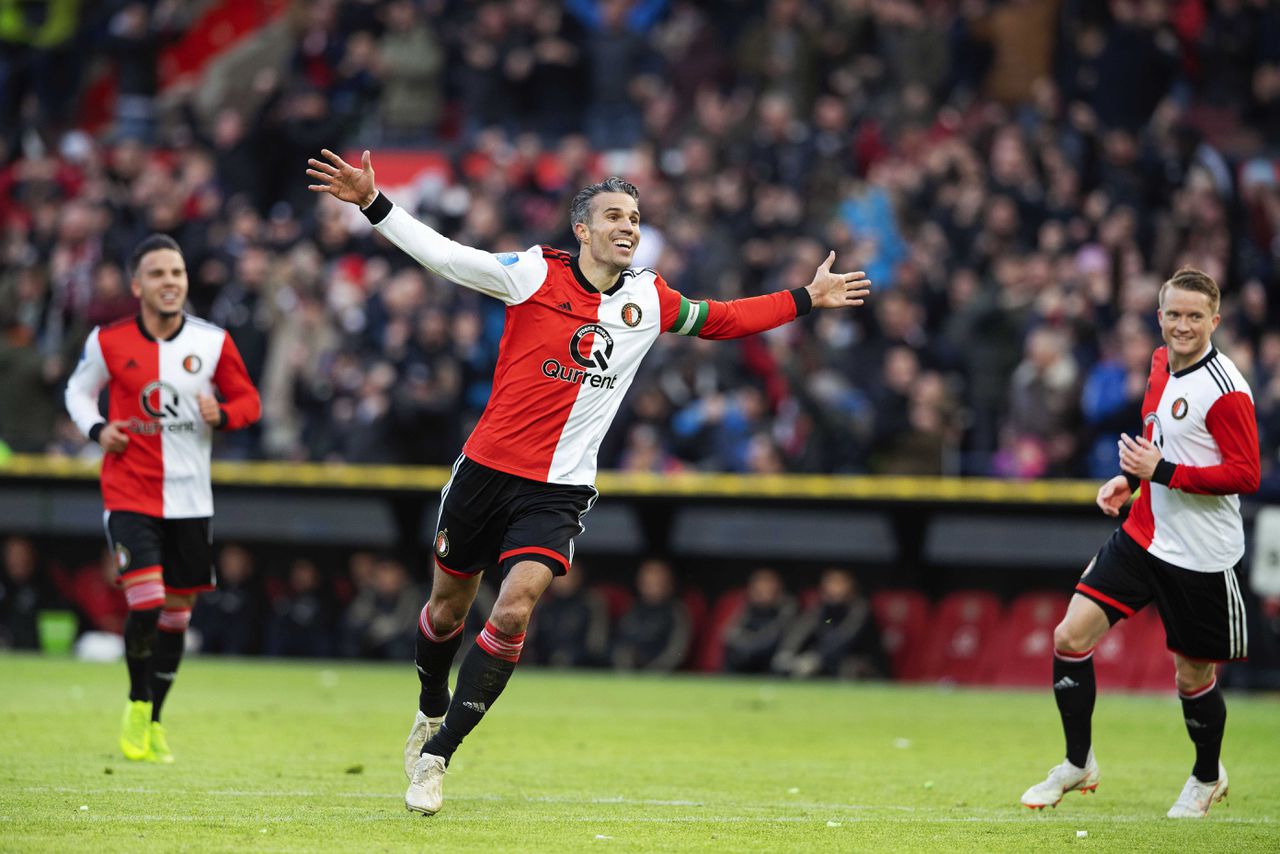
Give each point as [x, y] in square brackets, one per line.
[307, 757]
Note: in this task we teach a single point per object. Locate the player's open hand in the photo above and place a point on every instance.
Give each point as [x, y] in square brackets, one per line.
[210, 411]
[114, 438]
[1114, 494]
[837, 290]
[343, 181]
[1138, 457]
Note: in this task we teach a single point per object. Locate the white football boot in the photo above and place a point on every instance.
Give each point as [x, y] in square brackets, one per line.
[1197, 797]
[423, 728]
[1062, 779]
[423, 794]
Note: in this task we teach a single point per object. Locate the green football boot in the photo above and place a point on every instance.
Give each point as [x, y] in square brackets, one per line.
[159, 751]
[135, 730]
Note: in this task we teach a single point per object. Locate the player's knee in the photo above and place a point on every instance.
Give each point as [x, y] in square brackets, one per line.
[512, 616]
[1069, 638]
[1191, 677]
[446, 615]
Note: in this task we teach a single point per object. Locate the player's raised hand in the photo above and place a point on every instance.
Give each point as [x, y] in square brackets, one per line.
[343, 181]
[210, 411]
[1138, 456]
[113, 437]
[1113, 495]
[837, 290]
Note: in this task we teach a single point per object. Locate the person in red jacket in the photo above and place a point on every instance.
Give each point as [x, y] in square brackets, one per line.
[1181, 546]
[162, 369]
[577, 328]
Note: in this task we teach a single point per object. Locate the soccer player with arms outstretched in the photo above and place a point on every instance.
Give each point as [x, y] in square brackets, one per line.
[1181, 546]
[577, 327]
[161, 369]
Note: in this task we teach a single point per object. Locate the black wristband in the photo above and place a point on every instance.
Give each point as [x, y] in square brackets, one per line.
[1134, 481]
[379, 209]
[222, 418]
[804, 302]
[96, 430]
[1164, 472]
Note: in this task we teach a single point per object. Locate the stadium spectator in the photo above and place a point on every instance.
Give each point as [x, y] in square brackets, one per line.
[751, 638]
[303, 618]
[22, 595]
[836, 636]
[379, 621]
[655, 632]
[410, 59]
[572, 625]
[229, 620]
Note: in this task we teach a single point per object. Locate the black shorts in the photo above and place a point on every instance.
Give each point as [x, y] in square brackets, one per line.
[491, 518]
[180, 547]
[1203, 612]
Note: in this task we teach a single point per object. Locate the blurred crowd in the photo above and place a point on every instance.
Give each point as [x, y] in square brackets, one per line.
[1017, 177]
[368, 608]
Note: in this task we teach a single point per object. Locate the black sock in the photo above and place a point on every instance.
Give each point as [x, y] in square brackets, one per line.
[434, 660]
[1205, 715]
[164, 667]
[139, 641]
[480, 680]
[1075, 689]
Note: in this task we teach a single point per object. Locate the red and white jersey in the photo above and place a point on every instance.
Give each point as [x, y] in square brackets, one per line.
[1202, 420]
[153, 386]
[569, 352]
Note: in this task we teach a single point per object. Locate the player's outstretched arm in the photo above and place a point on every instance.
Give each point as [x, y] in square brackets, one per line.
[510, 280]
[837, 290]
[747, 316]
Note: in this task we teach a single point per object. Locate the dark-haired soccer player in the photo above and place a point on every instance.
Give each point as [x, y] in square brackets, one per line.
[577, 328]
[161, 369]
[1180, 547]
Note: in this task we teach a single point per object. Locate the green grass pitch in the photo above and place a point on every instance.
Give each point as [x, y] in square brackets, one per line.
[306, 757]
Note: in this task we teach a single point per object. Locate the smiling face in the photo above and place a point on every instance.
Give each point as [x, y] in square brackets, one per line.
[160, 282]
[612, 231]
[1187, 321]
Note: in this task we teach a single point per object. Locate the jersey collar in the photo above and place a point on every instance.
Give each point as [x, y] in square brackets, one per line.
[590, 288]
[1213, 351]
[147, 335]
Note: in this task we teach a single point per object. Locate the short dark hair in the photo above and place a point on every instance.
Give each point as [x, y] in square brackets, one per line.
[151, 244]
[580, 208]
[1191, 279]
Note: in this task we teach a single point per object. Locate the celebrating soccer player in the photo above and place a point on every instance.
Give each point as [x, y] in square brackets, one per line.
[1180, 547]
[161, 368]
[577, 328]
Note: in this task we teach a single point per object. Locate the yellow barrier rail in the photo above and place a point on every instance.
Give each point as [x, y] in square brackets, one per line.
[620, 484]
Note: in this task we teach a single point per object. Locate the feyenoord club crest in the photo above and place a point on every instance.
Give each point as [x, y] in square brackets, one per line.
[122, 557]
[191, 364]
[631, 314]
[442, 543]
[1180, 408]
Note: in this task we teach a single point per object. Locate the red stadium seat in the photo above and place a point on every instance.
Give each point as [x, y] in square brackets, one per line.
[709, 656]
[1154, 671]
[959, 638]
[1023, 652]
[903, 619]
[696, 605]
